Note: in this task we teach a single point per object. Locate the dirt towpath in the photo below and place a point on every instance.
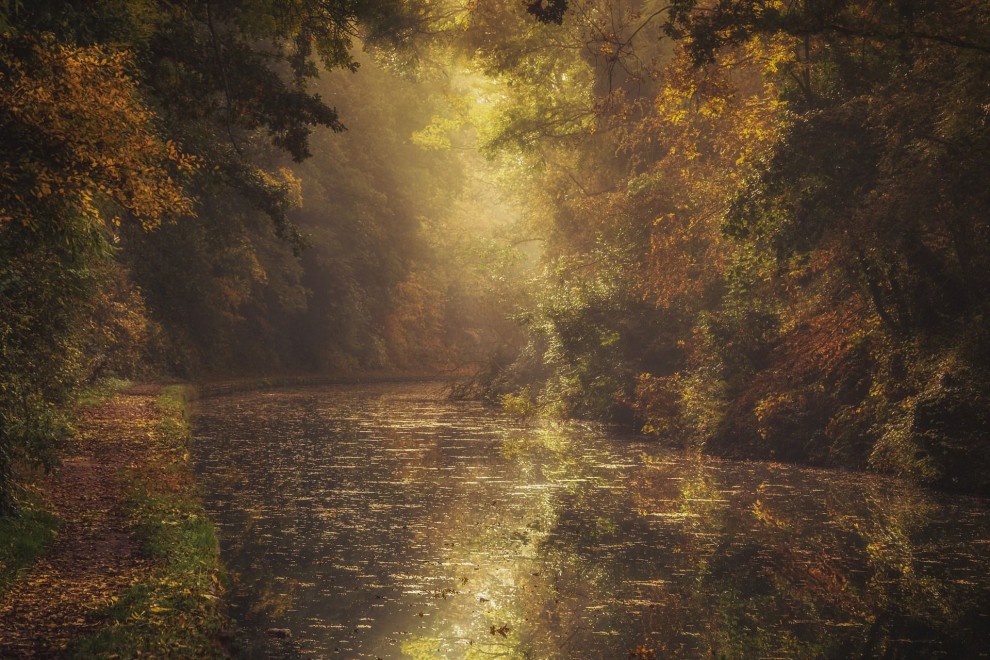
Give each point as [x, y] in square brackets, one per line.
[94, 557]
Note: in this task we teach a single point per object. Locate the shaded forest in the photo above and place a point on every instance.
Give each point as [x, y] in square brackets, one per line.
[751, 228]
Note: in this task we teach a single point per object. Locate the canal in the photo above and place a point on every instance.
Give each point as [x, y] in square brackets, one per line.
[386, 521]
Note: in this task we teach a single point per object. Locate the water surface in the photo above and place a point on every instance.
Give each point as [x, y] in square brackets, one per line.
[385, 521]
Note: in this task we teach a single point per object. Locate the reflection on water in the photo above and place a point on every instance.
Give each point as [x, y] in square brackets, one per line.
[383, 521]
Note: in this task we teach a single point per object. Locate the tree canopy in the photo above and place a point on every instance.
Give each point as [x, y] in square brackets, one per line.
[754, 228]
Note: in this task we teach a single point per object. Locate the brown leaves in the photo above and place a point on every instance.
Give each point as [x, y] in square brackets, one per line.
[95, 557]
[503, 631]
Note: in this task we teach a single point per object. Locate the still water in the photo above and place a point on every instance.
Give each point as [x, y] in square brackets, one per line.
[385, 521]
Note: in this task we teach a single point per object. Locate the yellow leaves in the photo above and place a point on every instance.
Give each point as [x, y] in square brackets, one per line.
[711, 124]
[730, 111]
[436, 135]
[673, 103]
[285, 181]
[87, 139]
[771, 407]
[182, 161]
[773, 52]
[714, 107]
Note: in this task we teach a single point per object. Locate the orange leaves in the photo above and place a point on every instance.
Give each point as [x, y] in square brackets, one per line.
[822, 338]
[684, 256]
[79, 134]
[713, 122]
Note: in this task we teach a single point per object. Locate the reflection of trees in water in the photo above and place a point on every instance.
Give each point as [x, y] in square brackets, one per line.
[834, 569]
[567, 543]
[837, 575]
[528, 596]
[913, 610]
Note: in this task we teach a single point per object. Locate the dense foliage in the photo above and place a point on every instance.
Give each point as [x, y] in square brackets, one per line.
[756, 228]
[765, 223]
[156, 214]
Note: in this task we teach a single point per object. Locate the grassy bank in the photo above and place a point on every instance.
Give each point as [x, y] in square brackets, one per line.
[174, 609]
[23, 539]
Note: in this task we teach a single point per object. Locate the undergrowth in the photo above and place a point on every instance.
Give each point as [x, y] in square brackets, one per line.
[23, 538]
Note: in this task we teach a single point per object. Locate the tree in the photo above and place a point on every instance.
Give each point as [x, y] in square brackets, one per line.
[118, 118]
[82, 156]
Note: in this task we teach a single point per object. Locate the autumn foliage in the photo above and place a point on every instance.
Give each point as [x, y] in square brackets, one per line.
[790, 193]
[751, 228]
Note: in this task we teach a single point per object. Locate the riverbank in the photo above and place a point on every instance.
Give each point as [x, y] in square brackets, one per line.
[223, 386]
[947, 457]
[130, 564]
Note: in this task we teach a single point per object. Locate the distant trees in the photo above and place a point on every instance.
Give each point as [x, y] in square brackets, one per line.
[759, 228]
[792, 191]
[156, 212]
[134, 185]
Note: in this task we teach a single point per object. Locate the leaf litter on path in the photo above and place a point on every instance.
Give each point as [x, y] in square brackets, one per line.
[95, 556]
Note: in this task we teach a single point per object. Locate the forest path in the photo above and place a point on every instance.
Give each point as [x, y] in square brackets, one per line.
[95, 556]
